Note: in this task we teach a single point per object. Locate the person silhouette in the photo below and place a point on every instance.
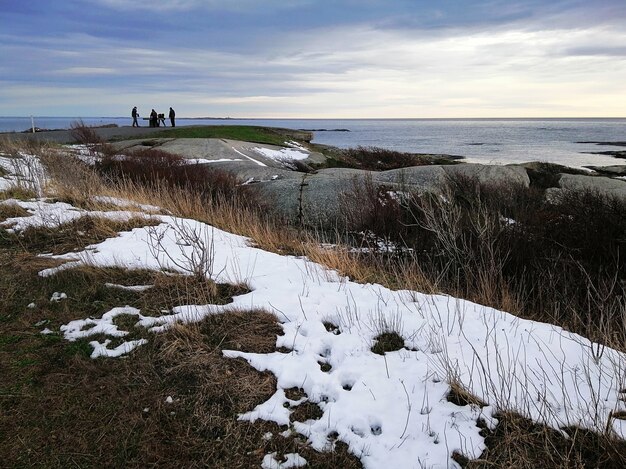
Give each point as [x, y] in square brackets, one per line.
[172, 117]
[154, 119]
[135, 115]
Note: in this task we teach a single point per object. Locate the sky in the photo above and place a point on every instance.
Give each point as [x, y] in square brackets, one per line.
[314, 58]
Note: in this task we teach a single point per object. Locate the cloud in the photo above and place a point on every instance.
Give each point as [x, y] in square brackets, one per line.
[85, 71]
[182, 5]
[522, 68]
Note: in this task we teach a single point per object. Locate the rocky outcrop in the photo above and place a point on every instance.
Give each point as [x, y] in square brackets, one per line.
[602, 185]
[322, 198]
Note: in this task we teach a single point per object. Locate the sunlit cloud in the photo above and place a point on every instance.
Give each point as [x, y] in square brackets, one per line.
[524, 67]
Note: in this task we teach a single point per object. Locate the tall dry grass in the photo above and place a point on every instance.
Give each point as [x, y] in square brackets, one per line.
[463, 244]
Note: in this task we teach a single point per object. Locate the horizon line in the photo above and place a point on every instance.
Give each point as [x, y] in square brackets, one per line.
[326, 118]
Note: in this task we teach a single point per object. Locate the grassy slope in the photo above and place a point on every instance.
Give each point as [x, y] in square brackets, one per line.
[59, 408]
[268, 135]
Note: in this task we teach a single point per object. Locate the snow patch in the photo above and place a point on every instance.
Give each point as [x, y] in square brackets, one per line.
[291, 460]
[282, 154]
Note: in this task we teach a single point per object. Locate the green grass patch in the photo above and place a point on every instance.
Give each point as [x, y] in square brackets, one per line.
[9, 340]
[269, 135]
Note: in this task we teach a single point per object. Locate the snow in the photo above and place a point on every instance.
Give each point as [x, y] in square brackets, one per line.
[291, 460]
[297, 145]
[133, 288]
[24, 171]
[103, 350]
[206, 161]
[248, 157]
[282, 154]
[82, 328]
[58, 296]
[391, 410]
[52, 215]
[126, 203]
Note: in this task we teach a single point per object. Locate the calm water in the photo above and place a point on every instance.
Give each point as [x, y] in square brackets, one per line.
[499, 141]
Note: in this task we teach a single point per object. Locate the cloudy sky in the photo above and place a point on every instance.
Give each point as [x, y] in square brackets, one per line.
[314, 58]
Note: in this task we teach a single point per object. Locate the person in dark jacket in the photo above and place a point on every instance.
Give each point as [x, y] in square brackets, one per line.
[154, 119]
[172, 117]
[135, 115]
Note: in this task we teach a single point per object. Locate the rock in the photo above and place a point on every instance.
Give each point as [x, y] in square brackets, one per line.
[317, 199]
[493, 174]
[313, 199]
[604, 185]
[616, 170]
[420, 178]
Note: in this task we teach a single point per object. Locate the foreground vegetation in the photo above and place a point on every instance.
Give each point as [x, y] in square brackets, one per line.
[559, 262]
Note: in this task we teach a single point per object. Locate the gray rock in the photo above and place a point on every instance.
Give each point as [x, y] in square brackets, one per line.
[420, 178]
[604, 185]
[617, 170]
[313, 199]
[247, 156]
[490, 173]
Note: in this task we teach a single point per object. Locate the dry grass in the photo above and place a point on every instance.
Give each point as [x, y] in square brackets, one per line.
[9, 210]
[72, 236]
[210, 390]
[518, 442]
[18, 193]
[13, 147]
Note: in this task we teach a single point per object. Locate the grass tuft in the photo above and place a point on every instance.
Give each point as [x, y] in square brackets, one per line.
[387, 342]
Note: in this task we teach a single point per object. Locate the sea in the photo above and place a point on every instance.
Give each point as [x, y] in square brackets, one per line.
[488, 141]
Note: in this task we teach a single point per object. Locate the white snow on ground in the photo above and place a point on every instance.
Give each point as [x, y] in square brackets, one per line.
[283, 153]
[248, 157]
[205, 161]
[291, 460]
[126, 203]
[24, 171]
[133, 288]
[391, 410]
[58, 213]
[299, 146]
[85, 153]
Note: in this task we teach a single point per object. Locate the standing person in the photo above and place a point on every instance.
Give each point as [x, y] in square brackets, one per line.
[153, 119]
[135, 115]
[172, 117]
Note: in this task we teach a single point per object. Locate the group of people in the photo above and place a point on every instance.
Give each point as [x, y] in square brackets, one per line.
[156, 120]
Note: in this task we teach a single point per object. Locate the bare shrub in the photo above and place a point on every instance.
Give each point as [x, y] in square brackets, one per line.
[152, 167]
[88, 137]
[381, 159]
[509, 248]
[84, 134]
[72, 180]
[375, 208]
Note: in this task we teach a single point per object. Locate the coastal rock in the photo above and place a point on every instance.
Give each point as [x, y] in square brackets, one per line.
[319, 199]
[604, 185]
[492, 174]
[615, 170]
